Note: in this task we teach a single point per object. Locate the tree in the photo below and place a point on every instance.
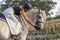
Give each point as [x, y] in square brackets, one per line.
[44, 5]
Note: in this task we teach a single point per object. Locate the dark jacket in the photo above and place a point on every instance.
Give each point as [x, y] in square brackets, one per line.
[16, 10]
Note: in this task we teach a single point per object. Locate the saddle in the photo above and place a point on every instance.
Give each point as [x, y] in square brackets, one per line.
[2, 17]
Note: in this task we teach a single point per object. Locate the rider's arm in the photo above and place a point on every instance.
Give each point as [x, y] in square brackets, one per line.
[26, 17]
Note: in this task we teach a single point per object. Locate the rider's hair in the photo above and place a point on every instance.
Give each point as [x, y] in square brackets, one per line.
[27, 5]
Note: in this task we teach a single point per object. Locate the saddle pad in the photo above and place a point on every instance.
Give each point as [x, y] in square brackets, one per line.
[2, 17]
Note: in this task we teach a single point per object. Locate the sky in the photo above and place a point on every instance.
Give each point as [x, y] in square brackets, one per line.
[56, 8]
[0, 0]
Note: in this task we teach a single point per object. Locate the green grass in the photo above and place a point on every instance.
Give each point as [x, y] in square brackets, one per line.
[52, 36]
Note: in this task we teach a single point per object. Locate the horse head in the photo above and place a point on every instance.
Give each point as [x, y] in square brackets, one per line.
[36, 17]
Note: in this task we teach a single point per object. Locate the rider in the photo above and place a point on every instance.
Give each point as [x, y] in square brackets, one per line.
[17, 10]
[22, 11]
[26, 8]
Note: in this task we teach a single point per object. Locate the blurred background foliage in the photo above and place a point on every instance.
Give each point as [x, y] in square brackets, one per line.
[46, 5]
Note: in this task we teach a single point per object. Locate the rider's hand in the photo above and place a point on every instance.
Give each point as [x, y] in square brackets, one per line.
[32, 24]
[36, 27]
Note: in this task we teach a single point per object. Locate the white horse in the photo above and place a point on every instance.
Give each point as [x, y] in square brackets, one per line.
[4, 29]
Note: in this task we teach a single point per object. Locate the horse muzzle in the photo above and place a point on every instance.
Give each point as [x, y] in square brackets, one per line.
[39, 26]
